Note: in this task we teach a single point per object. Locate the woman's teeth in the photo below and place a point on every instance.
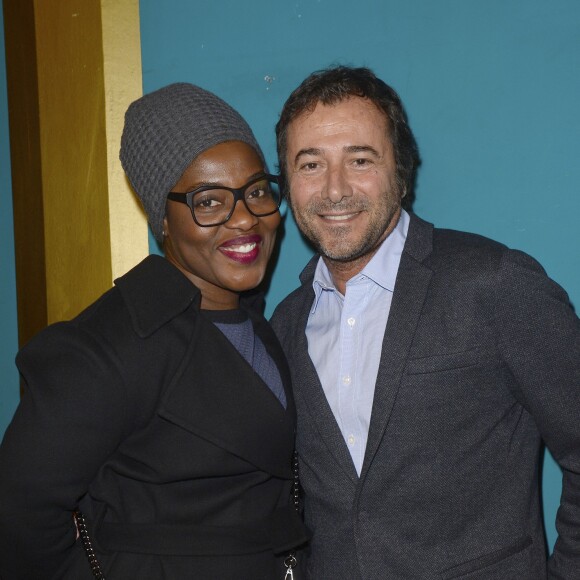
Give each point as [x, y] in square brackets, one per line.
[243, 249]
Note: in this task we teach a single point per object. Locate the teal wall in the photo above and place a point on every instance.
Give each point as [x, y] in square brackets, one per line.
[9, 388]
[491, 88]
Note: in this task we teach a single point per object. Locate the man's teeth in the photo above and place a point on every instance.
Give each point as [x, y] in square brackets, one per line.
[339, 218]
[244, 249]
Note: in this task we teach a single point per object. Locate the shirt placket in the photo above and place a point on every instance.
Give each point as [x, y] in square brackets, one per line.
[351, 325]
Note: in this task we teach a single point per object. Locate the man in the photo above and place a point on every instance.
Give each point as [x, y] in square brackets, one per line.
[428, 364]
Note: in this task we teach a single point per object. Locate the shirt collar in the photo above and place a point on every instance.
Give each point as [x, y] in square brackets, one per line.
[381, 269]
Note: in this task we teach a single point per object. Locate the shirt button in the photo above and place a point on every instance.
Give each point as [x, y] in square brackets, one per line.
[351, 439]
[346, 379]
[351, 321]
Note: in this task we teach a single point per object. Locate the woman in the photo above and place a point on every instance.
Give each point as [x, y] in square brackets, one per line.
[163, 412]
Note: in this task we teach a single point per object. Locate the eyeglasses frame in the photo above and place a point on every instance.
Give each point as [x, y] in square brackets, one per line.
[239, 195]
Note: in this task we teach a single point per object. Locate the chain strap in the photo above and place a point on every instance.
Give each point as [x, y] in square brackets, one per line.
[290, 561]
[296, 482]
[88, 546]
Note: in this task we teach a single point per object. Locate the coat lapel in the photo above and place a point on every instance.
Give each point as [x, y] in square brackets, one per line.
[214, 381]
[411, 287]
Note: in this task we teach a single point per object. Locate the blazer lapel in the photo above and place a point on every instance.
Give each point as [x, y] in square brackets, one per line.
[411, 287]
[310, 396]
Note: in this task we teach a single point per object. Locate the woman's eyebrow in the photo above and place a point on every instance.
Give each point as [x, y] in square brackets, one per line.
[219, 184]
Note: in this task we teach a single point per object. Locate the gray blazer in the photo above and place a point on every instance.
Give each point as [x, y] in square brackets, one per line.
[480, 364]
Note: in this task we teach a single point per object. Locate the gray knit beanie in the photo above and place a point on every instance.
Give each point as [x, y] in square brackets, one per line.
[165, 131]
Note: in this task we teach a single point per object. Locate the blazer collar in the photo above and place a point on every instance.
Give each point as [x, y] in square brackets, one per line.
[307, 275]
[419, 243]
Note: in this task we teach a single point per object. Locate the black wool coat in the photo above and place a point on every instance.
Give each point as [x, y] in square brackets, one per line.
[142, 413]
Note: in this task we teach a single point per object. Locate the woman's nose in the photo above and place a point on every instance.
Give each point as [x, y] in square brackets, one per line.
[242, 218]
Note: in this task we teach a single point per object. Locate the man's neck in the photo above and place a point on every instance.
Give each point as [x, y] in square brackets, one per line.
[342, 272]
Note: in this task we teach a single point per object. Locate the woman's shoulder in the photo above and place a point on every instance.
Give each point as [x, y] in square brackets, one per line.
[155, 292]
[119, 341]
[124, 320]
[144, 299]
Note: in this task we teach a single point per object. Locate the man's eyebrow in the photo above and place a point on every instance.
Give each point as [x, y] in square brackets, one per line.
[361, 149]
[314, 151]
[307, 151]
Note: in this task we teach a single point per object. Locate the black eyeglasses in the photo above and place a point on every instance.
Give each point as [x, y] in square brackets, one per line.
[213, 205]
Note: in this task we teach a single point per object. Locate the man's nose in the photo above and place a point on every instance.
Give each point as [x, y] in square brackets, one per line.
[337, 185]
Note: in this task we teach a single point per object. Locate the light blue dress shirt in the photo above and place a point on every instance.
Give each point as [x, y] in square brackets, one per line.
[345, 337]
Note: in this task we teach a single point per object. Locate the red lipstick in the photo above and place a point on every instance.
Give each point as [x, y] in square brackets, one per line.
[243, 249]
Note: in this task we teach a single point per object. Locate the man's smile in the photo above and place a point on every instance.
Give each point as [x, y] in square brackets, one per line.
[339, 217]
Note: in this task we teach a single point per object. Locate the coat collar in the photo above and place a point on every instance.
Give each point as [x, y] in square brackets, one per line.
[155, 292]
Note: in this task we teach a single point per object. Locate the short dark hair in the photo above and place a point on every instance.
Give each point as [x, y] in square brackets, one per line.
[339, 83]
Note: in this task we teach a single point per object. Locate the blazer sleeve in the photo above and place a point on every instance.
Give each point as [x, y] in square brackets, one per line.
[539, 337]
[71, 417]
